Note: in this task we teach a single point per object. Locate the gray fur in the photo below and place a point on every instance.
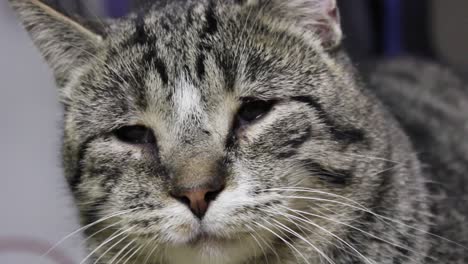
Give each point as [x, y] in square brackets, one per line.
[182, 68]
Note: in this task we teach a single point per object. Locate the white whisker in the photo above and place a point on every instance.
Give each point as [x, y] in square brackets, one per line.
[122, 250]
[151, 253]
[289, 230]
[86, 227]
[308, 221]
[285, 241]
[110, 248]
[355, 228]
[105, 243]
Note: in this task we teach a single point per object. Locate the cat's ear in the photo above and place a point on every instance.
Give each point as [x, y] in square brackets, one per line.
[65, 43]
[319, 17]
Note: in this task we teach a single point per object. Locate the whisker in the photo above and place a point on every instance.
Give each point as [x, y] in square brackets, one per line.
[289, 230]
[105, 242]
[265, 242]
[86, 227]
[381, 217]
[353, 227]
[259, 244]
[110, 248]
[134, 253]
[142, 250]
[285, 241]
[151, 253]
[122, 250]
[328, 232]
[101, 230]
[261, 248]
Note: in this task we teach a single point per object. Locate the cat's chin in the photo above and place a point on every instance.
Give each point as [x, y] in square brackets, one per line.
[203, 240]
[208, 240]
[210, 249]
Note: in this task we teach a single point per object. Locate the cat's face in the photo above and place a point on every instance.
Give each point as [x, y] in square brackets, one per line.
[208, 128]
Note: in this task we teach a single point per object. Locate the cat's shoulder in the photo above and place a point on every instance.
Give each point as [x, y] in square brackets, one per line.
[420, 80]
[423, 94]
[430, 101]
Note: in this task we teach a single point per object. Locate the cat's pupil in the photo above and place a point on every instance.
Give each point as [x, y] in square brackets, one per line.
[135, 135]
[254, 109]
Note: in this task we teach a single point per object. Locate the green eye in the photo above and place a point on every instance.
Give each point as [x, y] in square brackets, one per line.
[135, 135]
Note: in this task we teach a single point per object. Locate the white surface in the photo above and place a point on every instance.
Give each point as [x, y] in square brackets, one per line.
[34, 200]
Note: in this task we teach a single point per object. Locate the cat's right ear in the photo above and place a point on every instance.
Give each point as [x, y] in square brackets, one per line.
[304, 17]
[64, 43]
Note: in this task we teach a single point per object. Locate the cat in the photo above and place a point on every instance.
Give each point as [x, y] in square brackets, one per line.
[239, 131]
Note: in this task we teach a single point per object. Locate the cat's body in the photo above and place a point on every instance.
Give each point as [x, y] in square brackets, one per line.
[431, 104]
[238, 132]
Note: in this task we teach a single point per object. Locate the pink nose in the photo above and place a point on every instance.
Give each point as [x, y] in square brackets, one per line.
[198, 200]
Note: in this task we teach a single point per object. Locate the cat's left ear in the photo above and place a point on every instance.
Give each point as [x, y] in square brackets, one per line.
[64, 43]
[319, 17]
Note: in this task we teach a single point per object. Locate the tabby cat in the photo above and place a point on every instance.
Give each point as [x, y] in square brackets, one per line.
[238, 131]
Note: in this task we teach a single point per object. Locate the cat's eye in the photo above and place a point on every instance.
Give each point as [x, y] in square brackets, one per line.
[252, 110]
[135, 135]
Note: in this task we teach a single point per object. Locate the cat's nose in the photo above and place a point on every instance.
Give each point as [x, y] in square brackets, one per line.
[198, 200]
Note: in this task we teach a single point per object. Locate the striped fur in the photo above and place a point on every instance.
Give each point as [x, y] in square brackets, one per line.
[328, 175]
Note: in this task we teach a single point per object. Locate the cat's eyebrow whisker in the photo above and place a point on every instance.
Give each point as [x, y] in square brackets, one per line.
[284, 241]
[103, 25]
[244, 26]
[86, 227]
[251, 27]
[240, 49]
[305, 220]
[101, 61]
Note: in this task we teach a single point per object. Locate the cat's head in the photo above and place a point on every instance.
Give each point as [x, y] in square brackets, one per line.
[212, 129]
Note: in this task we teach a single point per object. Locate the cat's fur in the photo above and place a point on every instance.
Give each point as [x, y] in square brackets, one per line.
[327, 176]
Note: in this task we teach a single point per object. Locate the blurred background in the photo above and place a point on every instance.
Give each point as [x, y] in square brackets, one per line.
[36, 210]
